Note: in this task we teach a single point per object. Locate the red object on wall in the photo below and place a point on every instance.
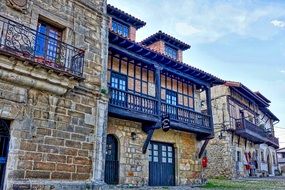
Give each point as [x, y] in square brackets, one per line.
[204, 162]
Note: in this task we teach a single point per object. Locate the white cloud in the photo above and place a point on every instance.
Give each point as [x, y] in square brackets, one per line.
[211, 21]
[282, 71]
[278, 23]
[186, 29]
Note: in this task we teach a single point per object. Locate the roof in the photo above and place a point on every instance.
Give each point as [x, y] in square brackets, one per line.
[262, 96]
[280, 149]
[127, 46]
[269, 113]
[117, 13]
[167, 38]
[247, 93]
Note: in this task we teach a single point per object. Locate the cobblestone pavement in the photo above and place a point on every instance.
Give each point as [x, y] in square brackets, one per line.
[269, 183]
[155, 188]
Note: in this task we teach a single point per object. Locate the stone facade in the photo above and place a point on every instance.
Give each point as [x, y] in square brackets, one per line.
[223, 150]
[134, 165]
[57, 123]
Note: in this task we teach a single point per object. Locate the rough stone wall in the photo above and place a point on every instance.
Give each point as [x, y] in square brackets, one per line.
[180, 55]
[222, 150]
[158, 46]
[54, 133]
[188, 166]
[134, 167]
[133, 33]
[133, 163]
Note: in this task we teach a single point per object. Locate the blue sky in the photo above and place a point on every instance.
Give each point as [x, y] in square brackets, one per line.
[238, 40]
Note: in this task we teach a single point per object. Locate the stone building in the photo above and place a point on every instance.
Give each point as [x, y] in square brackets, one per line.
[281, 160]
[149, 86]
[244, 143]
[53, 63]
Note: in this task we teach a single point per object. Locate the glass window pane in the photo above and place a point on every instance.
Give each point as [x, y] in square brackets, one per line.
[164, 148]
[164, 160]
[169, 160]
[169, 149]
[164, 154]
[155, 159]
[155, 153]
[155, 147]
[170, 154]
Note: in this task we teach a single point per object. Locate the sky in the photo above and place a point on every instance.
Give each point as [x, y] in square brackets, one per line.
[237, 40]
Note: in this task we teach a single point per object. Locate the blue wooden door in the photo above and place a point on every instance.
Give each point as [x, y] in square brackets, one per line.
[112, 162]
[4, 146]
[161, 164]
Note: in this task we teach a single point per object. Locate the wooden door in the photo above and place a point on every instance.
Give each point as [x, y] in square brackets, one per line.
[112, 162]
[161, 164]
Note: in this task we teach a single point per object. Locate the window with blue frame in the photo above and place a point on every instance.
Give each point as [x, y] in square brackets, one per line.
[171, 101]
[47, 42]
[119, 82]
[120, 28]
[171, 52]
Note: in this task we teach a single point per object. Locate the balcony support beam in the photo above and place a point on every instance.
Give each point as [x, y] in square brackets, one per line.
[201, 152]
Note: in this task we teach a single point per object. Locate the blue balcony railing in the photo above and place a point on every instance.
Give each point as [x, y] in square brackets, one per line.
[149, 106]
[36, 47]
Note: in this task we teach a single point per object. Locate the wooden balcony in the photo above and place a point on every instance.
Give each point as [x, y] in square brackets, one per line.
[254, 133]
[141, 108]
[272, 141]
[250, 131]
[18, 40]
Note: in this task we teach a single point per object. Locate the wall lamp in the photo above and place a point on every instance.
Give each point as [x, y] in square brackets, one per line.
[134, 136]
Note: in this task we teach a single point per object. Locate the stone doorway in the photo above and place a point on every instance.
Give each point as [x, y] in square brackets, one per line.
[4, 149]
[269, 164]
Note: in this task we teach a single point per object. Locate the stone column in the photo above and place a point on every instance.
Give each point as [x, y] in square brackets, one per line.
[100, 142]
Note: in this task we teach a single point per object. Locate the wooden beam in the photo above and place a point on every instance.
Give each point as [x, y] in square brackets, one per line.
[203, 148]
[233, 137]
[238, 140]
[209, 109]
[148, 139]
[158, 89]
[166, 68]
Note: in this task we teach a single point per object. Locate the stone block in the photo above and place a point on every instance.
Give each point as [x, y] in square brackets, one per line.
[56, 158]
[82, 160]
[44, 166]
[38, 174]
[61, 175]
[73, 144]
[65, 167]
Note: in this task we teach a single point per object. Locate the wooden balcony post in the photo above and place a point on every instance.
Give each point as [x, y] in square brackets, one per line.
[209, 108]
[158, 88]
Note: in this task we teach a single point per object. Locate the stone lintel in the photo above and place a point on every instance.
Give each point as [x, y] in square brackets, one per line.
[23, 74]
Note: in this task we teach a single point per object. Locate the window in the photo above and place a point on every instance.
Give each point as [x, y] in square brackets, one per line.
[47, 45]
[171, 101]
[120, 28]
[119, 84]
[171, 97]
[283, 155]
[238, 156]
[171, 52]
